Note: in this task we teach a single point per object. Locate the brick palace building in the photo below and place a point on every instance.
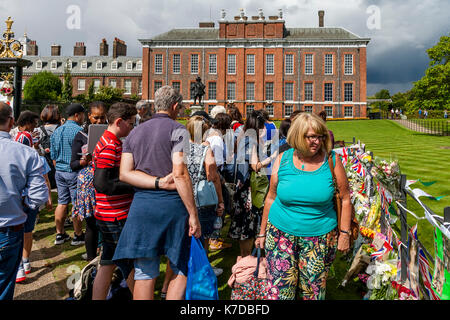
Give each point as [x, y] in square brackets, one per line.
[117, 70]
[257, 63]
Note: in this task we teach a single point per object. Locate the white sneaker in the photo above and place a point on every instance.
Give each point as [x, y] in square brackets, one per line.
[217, 271]
[27, 267]
[20, 275]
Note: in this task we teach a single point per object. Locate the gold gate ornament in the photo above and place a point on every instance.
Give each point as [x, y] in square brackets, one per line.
[10, 47]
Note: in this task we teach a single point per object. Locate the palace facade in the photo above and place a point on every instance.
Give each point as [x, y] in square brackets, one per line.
[259, 63]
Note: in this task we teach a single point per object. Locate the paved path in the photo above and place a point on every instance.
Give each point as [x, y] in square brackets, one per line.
[40, 284]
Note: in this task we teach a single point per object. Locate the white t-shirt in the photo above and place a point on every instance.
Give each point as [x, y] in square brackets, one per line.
[217, 145]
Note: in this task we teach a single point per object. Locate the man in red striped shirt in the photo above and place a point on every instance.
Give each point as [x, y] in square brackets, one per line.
[113, 197]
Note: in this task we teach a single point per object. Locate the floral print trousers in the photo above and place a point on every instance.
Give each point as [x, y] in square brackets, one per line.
[298, 262]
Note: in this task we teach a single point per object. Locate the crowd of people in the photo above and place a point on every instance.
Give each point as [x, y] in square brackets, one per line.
[139, 197]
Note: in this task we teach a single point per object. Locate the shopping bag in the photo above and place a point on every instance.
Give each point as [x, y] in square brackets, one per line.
[256, 286]
[201, 280]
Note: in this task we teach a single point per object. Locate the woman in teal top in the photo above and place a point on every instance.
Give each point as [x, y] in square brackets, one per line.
[299, 218]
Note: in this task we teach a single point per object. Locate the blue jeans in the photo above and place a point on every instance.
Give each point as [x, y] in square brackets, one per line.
[11, 246]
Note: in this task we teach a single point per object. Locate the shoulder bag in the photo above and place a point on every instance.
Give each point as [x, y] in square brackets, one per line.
[206, 195]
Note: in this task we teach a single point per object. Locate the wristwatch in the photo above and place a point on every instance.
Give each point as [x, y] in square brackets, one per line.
[157, 183]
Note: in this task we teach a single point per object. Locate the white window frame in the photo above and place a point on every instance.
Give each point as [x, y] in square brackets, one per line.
[154, 85]
[97, 81]
[269, 108]
[329, 111]
[270, 60]
[212, 88]
[288, 109]
[176, 63]
[139, 65]
[129, 66]
[231, 64]
[79, 82]
[125, 81]
[289, 63]
[268, 94]
[249, 107]
[99, 65]
[328, 64]
[305, 92]
[250, 64]
[250, 91]
[111, 81]
[289, 91]
[325, 91]
[308, 109]
[39, 65]
[309, 63]
[212, 63]
[83, 65]
[140, 87]
[114, 65]
[346, 113]
[346, 92]
[231, 91]
[348, 64]
[179, 85]
[194, 63]
[54, 65]
[69, 64]
[158, 63]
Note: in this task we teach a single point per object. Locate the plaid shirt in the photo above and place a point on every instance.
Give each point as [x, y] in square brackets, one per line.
[61, 145]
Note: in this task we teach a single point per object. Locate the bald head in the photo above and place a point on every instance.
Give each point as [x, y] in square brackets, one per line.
[6, 117]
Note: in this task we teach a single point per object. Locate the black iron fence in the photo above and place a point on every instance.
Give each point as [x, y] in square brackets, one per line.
[438, 127]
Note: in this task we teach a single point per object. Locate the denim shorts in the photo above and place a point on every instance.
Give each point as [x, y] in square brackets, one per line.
[148, 268]
[110, 232]
[31, 219]
[66, 183]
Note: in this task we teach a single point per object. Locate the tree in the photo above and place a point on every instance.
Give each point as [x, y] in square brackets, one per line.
[67, 89]
[42, 87]
[109, 94]
[91, 92]
[432, 92]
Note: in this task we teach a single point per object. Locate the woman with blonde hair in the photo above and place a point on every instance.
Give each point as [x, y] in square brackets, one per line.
[301, 232]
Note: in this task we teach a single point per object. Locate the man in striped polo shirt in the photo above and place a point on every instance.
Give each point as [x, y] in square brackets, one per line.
[113, 197]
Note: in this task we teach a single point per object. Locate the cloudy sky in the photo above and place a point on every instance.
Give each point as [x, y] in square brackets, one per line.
[400, 30]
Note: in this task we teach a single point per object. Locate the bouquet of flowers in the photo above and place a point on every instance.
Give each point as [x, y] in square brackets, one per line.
[381, 274]
[388, 174]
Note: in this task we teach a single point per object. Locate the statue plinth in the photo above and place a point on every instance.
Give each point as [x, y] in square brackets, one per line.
[196, 107]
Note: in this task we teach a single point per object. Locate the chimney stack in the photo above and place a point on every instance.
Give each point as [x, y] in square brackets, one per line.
[79, 49]
[104, 48]
[119, 48]
[321, 15]
[56, 50]
[32, 48]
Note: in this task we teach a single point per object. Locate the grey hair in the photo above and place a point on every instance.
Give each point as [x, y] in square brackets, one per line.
[166, 97]
[141, 104]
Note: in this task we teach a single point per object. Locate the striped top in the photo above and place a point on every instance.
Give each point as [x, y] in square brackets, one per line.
[61, 145]
[106, 155]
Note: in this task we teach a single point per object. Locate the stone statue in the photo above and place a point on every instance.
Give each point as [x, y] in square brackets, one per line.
[198, 90]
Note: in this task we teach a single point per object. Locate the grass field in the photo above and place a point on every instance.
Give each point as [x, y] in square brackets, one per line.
[420, 156]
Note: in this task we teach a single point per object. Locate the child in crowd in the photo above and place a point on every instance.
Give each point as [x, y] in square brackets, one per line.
[113, 197]
[27, 122]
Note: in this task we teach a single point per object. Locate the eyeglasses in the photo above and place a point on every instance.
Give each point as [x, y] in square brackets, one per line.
[315, 138]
